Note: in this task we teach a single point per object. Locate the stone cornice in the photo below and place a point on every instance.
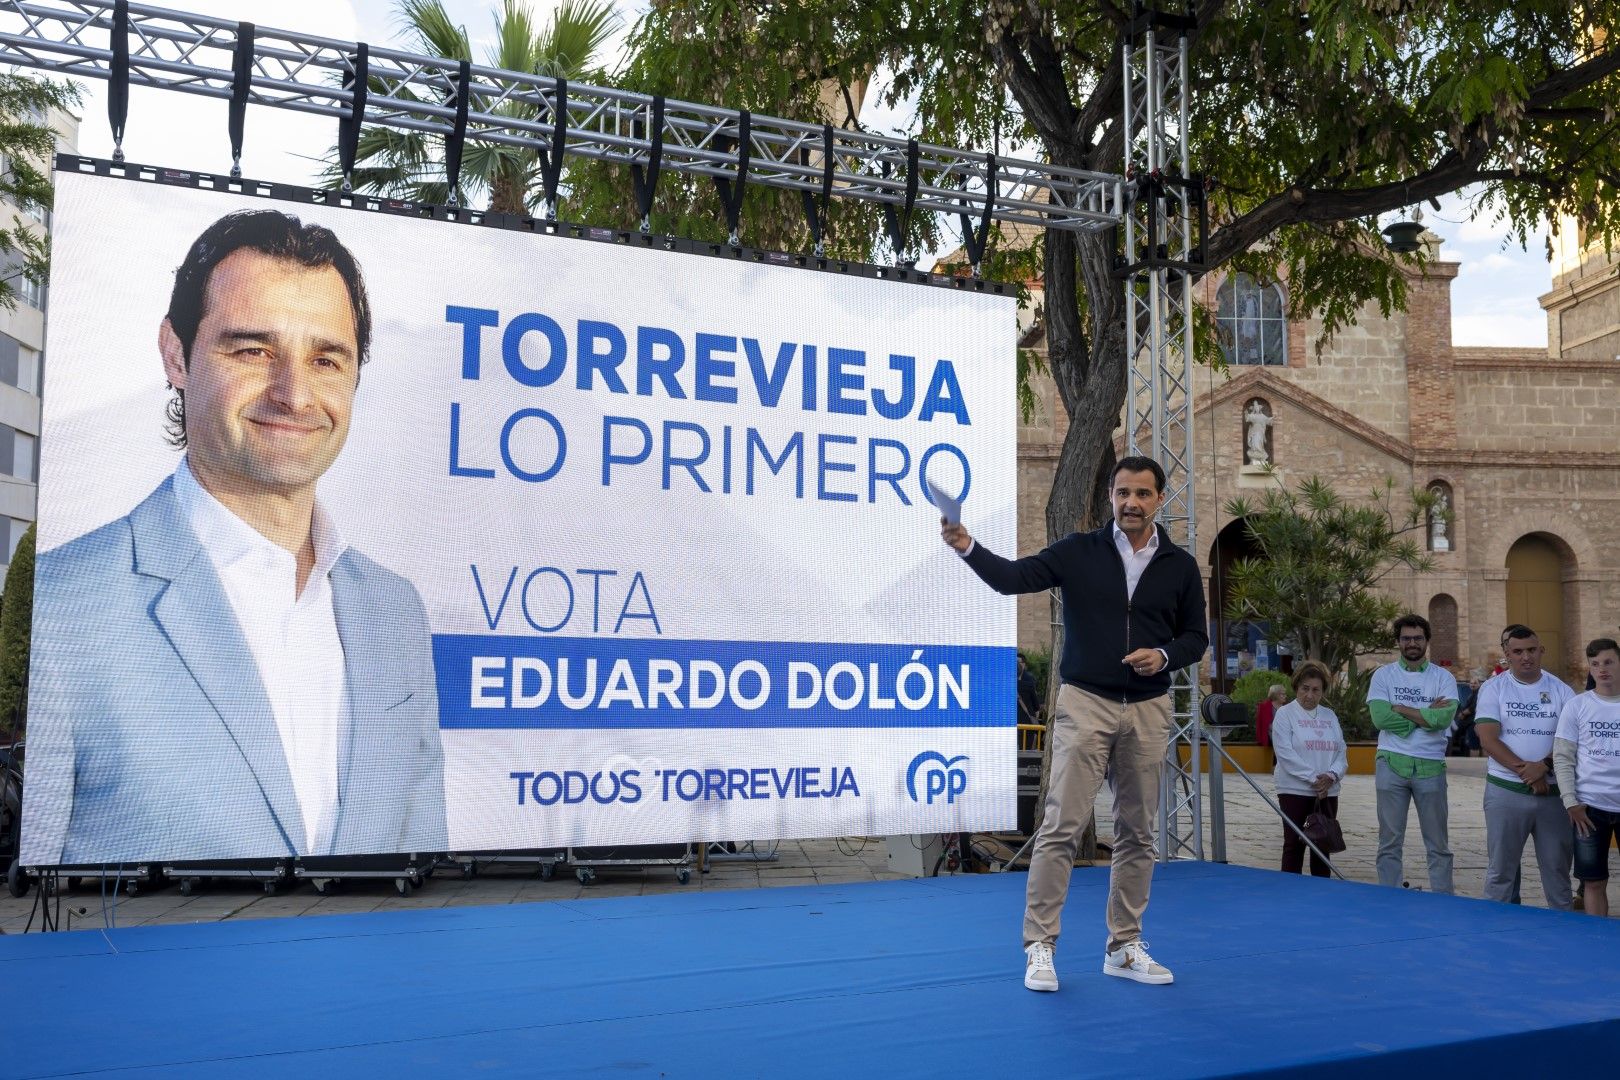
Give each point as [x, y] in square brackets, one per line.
[1534, 361]
[1564, 295]
[1464, 354]
[1521, 459]
[1260, 381]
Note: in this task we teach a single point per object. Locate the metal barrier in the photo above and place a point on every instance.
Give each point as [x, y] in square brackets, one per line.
[1217, 804]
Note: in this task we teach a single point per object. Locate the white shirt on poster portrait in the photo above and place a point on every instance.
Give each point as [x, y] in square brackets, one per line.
[294, 640]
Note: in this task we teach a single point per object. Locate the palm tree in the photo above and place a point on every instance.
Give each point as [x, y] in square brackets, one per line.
[410, 164]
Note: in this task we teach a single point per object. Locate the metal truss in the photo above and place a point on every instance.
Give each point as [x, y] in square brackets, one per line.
[1163, 233]
[1159, 202]
[196, 54]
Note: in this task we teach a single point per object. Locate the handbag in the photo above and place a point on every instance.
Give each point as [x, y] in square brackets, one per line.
[1323, 831]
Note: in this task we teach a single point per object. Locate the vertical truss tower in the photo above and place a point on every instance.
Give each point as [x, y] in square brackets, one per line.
[1163, 223]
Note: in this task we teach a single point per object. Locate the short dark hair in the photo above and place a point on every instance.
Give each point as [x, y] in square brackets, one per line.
[272, 233]
[1517, 632]
[1410, 619]
[1602, 644]
[1139, 463]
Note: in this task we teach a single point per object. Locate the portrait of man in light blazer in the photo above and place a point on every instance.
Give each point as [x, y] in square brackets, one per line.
[218, 674]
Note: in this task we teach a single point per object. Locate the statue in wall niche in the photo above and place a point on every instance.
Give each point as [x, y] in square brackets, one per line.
[1257, 422]
[1438, 539]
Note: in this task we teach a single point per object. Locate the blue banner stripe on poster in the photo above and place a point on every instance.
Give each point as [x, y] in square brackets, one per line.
[491, 681]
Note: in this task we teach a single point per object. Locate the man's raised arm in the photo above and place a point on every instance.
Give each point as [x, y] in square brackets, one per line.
[1034, 573]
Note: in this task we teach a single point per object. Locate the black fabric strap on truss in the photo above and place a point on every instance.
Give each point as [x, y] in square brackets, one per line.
[645, 181]
[118, 77]
[358, 83]
[456, 141]
[551, 161]
[898, 225]
[731, 192]
[974, 239]
[241, 83]
[815, 210]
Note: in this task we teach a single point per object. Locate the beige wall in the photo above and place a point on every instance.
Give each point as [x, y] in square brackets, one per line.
[1362, 369]
[1537, 406]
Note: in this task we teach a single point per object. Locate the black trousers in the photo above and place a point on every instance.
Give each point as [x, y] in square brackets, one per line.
[1297, 808]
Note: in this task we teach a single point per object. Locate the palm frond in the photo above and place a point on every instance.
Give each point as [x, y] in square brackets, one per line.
[431, 30]
[578, 31]
[515, 37]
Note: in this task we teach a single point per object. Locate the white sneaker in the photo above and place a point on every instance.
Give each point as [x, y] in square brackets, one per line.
[1039, 974]
[1133, 962]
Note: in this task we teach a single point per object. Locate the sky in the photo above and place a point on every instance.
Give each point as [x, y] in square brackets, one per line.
[1493, 297]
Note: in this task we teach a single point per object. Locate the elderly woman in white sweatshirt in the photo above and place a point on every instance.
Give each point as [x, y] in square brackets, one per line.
[1310, 762]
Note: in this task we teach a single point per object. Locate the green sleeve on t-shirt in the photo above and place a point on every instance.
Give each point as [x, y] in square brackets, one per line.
[1385, 718]
[1439, 719]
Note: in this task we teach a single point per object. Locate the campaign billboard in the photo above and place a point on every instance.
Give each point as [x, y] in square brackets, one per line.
[366, 532]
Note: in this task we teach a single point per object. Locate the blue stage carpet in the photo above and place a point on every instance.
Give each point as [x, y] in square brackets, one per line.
[912, 978]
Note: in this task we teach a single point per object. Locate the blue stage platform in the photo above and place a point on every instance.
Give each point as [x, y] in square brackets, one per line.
[1274, 973]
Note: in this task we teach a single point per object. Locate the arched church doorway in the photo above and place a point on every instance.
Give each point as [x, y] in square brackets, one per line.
[1238, 645]
[1535, 594]
[1443, 649]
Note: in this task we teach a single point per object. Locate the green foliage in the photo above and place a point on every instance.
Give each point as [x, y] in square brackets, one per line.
[1252, 687]
[16, 622]
[1317, 579]
[1347, 697]
[1040, 665]
[27, 146]
[410, 164]
[796, 59]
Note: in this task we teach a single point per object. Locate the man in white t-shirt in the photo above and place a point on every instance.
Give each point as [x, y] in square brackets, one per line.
[1516, 717]
[1586, 760]
[1412, 703]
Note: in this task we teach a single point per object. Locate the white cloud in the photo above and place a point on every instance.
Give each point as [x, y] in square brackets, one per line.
[1504, 329]
[1494, 295]
[1488, 263]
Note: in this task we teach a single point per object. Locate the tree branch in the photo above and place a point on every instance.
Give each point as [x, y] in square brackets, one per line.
[1298, 205]
[1041, 91]
[1560, 85]
[1570, 113]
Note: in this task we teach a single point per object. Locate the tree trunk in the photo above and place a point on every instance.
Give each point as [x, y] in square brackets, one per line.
[506, 192]
[1091, 381]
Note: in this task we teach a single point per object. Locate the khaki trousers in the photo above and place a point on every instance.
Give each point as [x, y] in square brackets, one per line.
[1087, 733]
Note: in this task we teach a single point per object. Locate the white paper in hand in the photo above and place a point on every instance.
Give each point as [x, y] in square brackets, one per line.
[950, 509]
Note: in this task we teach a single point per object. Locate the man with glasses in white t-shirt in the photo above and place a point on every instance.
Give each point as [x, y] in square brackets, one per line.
[1412, 703]
[1516, 717]
[1586, 760]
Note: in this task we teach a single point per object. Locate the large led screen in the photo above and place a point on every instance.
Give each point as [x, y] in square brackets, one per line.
[364, 532]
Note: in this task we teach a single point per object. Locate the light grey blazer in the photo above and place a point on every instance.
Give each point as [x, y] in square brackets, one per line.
[150, 735]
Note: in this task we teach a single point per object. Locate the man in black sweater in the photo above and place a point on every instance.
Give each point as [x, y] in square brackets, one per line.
[1133, 612]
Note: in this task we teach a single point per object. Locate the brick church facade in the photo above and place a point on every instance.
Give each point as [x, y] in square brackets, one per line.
[1524, 444]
